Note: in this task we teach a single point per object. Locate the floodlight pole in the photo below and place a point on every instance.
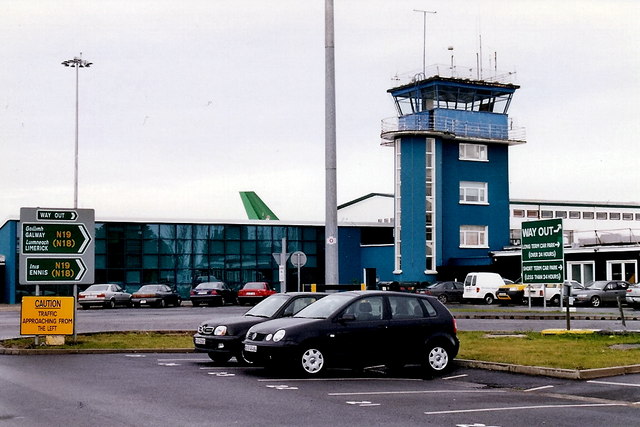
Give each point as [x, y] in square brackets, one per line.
[77, 62]
[331, 204]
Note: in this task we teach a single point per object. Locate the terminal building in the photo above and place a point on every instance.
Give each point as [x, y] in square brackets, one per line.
[450, 214]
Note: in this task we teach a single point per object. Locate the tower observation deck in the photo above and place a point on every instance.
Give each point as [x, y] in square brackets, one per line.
[453, 108]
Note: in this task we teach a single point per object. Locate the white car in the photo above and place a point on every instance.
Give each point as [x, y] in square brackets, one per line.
[107, 295]
[633, 296]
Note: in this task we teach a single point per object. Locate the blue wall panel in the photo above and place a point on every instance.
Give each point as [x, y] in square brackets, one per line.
[8, 239]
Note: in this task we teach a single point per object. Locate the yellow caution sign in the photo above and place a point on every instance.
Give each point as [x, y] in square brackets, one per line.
[47, 315]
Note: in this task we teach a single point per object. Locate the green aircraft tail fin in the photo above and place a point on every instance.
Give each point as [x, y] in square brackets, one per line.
[255, 207]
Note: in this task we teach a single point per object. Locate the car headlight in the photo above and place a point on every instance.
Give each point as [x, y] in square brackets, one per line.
[220, 330]
[279, 335]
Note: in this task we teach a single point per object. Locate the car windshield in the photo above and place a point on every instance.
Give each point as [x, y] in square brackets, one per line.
[268, 307]
[325, 307]
[209, 285]
[97, 288]
[600, 284]
[254, 285]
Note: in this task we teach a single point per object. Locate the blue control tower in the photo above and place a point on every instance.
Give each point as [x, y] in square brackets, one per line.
[451, 142]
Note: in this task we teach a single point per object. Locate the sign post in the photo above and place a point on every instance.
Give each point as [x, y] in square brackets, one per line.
[57, 248]
[298, 259]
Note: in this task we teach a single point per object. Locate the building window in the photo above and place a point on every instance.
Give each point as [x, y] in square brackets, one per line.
[587, 215]
[561, 214]
[601, 215]
[430, 207]
[574, 215]
[473, 192]
[614, 216]
[474, 152]
[532, 214]
[518, 213]
[638, 217]
[473, 236]
[627, 216]
[397, 232]
[546, 214]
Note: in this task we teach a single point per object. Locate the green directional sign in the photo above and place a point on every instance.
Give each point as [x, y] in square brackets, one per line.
[542, 251]
[55, 269]
[45, 238]
[57, 246]
[56, 215]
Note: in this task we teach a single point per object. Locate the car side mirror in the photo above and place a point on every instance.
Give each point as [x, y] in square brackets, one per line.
[347, 318]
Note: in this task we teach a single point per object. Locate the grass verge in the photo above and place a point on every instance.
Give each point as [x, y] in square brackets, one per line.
[114, 340]
[588, 351]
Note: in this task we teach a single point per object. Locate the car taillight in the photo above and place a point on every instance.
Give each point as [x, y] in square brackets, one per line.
[213, 292]
[80, 296]
[192, 293]
[455, 326]
[101, 295]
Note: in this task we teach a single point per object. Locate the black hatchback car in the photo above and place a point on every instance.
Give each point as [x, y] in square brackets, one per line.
[358, 329]
[213, 293]
[222, 338]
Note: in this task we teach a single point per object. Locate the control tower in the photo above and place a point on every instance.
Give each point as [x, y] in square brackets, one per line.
[451, 142]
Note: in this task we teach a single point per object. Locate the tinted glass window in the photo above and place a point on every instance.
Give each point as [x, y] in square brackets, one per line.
[430, 310]
[366, 309]
[405, 308]
[325, 307]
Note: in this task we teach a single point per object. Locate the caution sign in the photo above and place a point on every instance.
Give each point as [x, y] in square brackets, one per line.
[47, 315]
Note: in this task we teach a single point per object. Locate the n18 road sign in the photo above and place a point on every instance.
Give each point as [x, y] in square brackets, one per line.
[542, 251]
[57, 246]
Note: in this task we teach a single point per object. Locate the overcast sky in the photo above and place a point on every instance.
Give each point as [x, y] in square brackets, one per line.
[189, 102]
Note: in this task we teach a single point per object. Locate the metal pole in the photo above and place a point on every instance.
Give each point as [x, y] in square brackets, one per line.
[424, 39]
[331, 204]
[75, 168]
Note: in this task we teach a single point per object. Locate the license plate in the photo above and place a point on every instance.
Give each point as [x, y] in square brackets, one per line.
[251, 293]
[201, 341]
[202, 293]
[251, 348]
[143, 301]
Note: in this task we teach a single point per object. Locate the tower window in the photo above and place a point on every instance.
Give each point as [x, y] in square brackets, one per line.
[477, 152]
[473, 192]
[473, 236]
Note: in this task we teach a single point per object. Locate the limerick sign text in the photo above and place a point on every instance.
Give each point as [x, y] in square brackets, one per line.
[542, 251]
[57, 246]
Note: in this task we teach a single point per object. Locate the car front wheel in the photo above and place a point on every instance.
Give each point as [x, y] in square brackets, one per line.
[595, 301]
[438, 358]
[443, 298]
[312, 361]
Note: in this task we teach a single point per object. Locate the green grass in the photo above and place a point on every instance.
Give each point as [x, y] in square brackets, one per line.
[115, 340]
[584, 351]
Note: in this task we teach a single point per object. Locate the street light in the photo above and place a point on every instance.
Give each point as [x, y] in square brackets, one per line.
[76, 62]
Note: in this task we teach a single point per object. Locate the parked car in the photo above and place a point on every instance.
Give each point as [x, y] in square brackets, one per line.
[107, 295]
[358, 329]
[156, 295]
[444, 291]
[601, 292]
[511, 293]
[633, 296]
[551, 291]
[482, 286]
[253, 292]
[213, 293]
[222, 338]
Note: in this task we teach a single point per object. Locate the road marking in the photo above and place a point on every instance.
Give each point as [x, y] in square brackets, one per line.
[135, 355]
[363, 403]
[183, 360]
[371, 393]
[613, 383]
[282, 387]
[339, 379]
[221, 374]
[455, 377]
[517, 408]
[538, 388]
[169, 364]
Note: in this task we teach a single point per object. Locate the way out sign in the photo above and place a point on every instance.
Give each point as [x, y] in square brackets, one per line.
[47, 315]
[543, 251]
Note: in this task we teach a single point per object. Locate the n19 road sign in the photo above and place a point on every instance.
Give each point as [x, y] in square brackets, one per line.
[542, 251]
[55, 269]
[41, 238]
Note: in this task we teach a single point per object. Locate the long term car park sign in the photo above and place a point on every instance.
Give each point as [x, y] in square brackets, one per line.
[542, 251]
[57, 246]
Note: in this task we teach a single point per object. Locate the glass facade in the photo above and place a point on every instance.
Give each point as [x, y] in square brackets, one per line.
[186, 254]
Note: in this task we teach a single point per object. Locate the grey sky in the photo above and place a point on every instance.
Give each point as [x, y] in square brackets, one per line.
[189, 102]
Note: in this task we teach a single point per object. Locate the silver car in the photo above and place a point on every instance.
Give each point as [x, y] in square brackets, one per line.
[601, 292]
[106, 295]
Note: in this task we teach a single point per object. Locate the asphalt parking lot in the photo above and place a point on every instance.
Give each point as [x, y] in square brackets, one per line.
[188, 389]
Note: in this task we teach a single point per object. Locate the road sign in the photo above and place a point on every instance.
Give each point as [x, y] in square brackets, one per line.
[542, 251]
[55, 269]
[53, 238]
[298, 259]
[47, 315]
[57, 246]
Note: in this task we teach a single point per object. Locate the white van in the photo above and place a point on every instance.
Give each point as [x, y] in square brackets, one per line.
[481, 287]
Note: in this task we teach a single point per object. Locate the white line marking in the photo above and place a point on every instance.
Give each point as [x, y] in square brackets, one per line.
[455, 377]
[613, 383]
[188, 360]
[339, 379]
[538, 388]
[514, 408]
[371, 393]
